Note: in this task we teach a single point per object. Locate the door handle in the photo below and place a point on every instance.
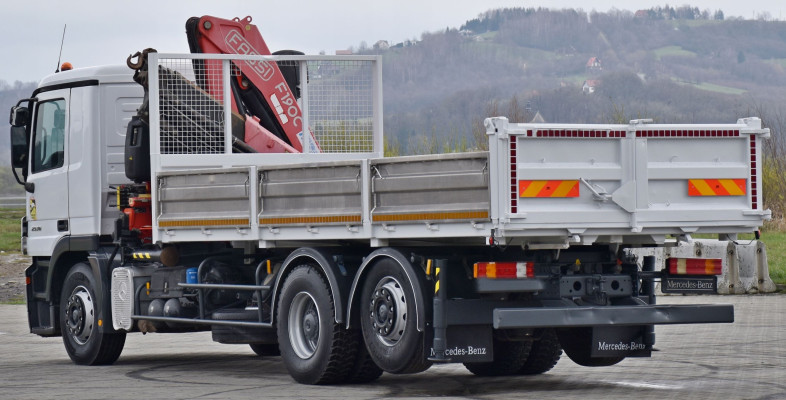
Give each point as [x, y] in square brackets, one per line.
[62, 225]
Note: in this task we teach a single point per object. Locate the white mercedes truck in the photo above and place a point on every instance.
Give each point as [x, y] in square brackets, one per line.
[246, 194]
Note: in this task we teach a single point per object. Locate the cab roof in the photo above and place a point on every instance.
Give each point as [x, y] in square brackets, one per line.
[101, 73]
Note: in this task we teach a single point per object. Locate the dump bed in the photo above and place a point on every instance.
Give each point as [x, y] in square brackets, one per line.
[541, 185]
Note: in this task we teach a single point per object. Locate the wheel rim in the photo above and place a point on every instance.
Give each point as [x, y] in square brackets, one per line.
[388, 311]
[80, 315]
[304, 325]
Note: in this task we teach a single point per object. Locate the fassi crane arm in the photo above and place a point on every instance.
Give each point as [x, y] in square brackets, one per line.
[260, 91]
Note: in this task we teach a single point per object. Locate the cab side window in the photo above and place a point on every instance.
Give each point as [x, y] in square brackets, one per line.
[49, 136]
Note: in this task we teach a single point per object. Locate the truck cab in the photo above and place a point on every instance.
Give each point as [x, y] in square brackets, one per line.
[75, 123]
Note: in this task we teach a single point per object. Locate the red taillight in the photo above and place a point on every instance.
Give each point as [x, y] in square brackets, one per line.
[504, 270]
[695, 266]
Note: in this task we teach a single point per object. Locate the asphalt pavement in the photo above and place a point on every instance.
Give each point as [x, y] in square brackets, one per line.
[743, 360]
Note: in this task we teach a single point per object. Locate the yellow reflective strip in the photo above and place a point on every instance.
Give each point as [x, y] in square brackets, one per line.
[731, 186]
[430, 216]
[702, 187]
[534, 188]
[428, 267]
[268, 267]
[682, 266]
[202, 222]
[312, 220]
[563, 188]
[147, 255]
[436, 285]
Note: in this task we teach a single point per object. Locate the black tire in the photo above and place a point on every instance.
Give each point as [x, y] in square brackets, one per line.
[265, 349]
[364, 370]
[577, 343]
[543, 355]
[314, 348]
[79, 322]
[391, 337]
[509, 358]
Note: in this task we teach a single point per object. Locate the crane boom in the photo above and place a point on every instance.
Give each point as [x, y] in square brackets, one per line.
[260, 89]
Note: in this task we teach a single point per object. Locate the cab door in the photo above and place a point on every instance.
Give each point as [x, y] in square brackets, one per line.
[47, 202]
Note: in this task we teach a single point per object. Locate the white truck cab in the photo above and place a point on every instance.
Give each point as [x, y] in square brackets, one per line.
[77, 128]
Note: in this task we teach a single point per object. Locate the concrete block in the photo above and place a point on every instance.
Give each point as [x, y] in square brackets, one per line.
[745, 268]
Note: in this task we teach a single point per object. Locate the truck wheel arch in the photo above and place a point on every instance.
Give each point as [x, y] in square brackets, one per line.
[338, 284]
[414, 277]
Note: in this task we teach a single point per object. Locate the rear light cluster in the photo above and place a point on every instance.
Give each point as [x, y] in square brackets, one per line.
[695, 266]
[504, 270]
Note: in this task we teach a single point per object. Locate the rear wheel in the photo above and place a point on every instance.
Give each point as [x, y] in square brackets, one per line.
[577, 343]
[388, 318]
[315, 349]
[79, 322]
[509, 359]
[543, 355]
[265, 349]
[364, 370]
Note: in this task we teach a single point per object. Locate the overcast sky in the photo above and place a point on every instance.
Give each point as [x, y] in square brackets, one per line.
[107, 31]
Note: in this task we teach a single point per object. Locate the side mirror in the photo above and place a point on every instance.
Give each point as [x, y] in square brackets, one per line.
[19, 147]
[20, 116]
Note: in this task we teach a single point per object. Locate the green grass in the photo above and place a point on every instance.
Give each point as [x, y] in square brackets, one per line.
[692, 23]
[9, 228]
[776, 255]
[711, 87]
[16, 301]
[719, 89]
[672, 51]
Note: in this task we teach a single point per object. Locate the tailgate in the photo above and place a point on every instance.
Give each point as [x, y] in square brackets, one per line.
[622, 179]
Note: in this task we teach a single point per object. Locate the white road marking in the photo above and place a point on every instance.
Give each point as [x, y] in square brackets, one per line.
[648, 385]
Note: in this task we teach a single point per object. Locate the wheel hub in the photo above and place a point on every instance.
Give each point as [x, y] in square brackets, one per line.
[388, 311]
[80, 315]
[304, 325]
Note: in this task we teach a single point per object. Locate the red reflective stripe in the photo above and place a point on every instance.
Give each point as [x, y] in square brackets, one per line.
[695, 266]
[504, 270]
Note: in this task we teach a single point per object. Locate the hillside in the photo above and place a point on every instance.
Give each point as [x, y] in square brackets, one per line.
[672, 65]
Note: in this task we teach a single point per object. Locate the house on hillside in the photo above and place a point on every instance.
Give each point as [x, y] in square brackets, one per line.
[590, 85]
[594, 65]
[641, 14]
[381, 45]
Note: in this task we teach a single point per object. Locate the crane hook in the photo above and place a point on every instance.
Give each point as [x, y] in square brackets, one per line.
[141, 56]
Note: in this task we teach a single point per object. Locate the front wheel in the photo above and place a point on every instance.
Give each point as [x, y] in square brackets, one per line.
[79, 323]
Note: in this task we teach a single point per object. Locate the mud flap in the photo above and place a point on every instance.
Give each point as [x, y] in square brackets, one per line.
[622, 341]
[465, 343]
